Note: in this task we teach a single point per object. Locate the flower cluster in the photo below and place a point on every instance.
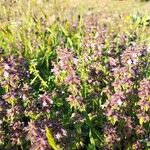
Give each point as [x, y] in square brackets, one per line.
[97, 94]
[65, 71]
[128, 94]
[144, 102]
[14, 91]
[22, 117]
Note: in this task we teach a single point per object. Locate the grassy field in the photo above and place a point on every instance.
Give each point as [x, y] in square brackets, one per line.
[74, 74]
[15, 10]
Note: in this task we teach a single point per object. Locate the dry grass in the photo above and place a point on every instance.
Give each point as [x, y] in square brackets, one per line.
[114, 6]
[18, 10]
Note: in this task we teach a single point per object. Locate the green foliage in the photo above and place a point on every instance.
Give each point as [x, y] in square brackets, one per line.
[50, 138]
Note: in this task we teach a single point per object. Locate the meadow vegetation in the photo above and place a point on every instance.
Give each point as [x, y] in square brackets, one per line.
[74, 75]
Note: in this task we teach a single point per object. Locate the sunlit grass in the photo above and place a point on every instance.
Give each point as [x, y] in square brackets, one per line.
[17, 10]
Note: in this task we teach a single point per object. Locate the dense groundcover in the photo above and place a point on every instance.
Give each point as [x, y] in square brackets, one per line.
[89, 90]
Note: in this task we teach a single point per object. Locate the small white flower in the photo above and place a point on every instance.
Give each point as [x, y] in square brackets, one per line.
[103, 106]
[148, 49]
[9, 111]
[24, 97]
[6, 66]
[64, 132]
[119, 102]
[1, 121]
[73, 115]
[129, 62]
[58, 136]
[6, 74]
[44, 104]
[134, 55]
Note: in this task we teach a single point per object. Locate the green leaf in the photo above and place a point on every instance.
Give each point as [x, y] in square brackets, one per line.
[64, 31]
[91, 138]
[91, 147]
[50, 138]
[113, 119]
[88, 121]
[97, 135]
[141, 121]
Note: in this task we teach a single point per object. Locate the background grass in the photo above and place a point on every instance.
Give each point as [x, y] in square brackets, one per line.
[16, 10]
